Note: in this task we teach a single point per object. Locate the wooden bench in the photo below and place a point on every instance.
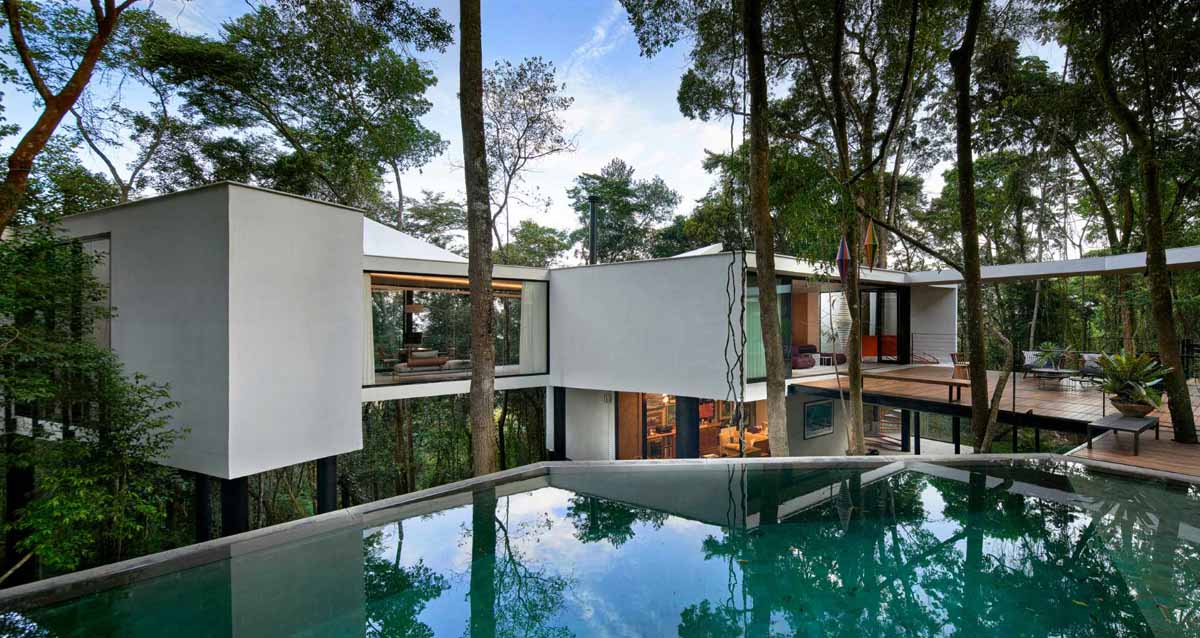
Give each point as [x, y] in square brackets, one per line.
[953, 386]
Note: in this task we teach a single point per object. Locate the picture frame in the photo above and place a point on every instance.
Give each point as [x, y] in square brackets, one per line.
[818, 418]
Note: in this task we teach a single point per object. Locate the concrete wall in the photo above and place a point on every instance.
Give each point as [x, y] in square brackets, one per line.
[935, 321]
[591, 425]
[652, 326]
[169, 266]
[295, 330]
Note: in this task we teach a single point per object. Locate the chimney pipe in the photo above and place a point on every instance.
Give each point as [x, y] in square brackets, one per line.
[592, 225]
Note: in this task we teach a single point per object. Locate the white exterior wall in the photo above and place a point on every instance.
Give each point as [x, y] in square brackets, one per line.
[295, 331]
[651, 326]
[248, 304]
[591, 425]
[169, 268]
[935, 321]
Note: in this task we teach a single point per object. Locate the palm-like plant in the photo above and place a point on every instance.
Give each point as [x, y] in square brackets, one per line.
[1050, 354]
[1133, 378]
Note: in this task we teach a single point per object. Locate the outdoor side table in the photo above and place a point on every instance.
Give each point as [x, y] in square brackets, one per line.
[1121, 423]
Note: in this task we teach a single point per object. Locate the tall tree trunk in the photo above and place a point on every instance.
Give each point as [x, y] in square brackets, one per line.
[763, 229]
[500, 430]
[856, 438]
[960, 61]
[1175, 384]
[479, 240]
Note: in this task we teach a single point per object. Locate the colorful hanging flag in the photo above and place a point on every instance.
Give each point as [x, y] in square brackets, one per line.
[870, 245]
[843, 259]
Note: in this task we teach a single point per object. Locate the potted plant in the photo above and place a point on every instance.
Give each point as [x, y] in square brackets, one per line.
[1133, 380]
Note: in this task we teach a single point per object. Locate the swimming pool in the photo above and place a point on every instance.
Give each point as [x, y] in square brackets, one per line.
[1036, 546]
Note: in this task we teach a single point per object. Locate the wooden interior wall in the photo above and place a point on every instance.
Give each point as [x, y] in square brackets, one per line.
[629, 425]
[806, 315]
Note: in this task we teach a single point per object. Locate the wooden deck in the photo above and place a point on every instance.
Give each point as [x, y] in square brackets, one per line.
[1064, 402]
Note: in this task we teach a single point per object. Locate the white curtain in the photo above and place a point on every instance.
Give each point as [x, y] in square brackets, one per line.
[368, 359]
[533, 327]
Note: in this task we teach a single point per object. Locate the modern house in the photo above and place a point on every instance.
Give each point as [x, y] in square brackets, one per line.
[274, 317]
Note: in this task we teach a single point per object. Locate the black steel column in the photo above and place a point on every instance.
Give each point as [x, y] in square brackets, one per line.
[591, 229]
[916, 433]
[235, 506]
[904, 325]
[202, 484]
[957, 434]
[687, 427]
[326, 484]
[905, 431]
[559, 453]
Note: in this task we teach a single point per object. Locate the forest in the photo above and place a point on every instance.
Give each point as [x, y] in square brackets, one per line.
[839, 112]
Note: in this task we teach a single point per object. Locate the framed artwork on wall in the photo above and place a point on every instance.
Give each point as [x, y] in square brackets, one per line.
[818, 418]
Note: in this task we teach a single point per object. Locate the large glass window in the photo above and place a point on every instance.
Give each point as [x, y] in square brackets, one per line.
[647, 428]
[421, 328]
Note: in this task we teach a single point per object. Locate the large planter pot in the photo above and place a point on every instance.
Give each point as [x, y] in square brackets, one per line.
[1131, 409]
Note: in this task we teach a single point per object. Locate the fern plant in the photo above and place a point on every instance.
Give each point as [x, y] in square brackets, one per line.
[1133, 378]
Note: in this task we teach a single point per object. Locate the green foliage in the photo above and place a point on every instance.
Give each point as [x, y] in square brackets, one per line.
[101, 495]
[1133, 377]
[327, 79]
[61, 185]
[534, 245]
[95, 434]
[627, 211]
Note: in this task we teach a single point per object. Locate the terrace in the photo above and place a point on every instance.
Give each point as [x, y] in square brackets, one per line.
[1029, 405]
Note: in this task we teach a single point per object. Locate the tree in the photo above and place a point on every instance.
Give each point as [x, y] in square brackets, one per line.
[479, 239]
[107, 124]
[1144, 103]
[95, 433]
[628, 210]
[960, 60]
[523, 107]
[327, 79]
[762, 226]
[536, 245]
[71, 76]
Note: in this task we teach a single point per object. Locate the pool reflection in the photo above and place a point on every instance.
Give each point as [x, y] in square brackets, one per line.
[1027, 549]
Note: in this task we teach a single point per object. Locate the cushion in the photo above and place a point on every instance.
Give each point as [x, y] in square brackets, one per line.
[1091, 361]
[1032, 357]
[804, 348]
[803, 361]
[423, 354]
[457, 364]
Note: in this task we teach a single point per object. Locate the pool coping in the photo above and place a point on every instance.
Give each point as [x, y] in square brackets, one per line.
[97, 579]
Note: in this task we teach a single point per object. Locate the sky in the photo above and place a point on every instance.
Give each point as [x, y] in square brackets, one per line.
[625, 104]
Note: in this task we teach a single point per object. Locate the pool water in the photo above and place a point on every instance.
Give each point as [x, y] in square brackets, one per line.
[1029, 548]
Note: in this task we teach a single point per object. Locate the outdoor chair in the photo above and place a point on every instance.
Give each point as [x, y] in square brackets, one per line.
[1032, 360]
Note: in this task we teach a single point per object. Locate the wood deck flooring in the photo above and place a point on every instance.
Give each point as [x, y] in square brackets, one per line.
[1050, 399]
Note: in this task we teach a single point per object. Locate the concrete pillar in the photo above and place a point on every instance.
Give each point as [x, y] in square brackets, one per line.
[235, 506]
[326, 484]
[687, 427]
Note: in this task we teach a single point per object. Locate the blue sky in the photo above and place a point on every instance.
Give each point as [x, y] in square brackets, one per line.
[624, 103]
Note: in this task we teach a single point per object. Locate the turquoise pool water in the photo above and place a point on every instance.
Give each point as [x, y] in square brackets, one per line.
[1035, 548]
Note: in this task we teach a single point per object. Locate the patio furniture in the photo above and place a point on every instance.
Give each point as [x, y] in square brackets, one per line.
[1121, 423]
[1044, 375]
[1032, 359]
[1090, 368]
[828, 358]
